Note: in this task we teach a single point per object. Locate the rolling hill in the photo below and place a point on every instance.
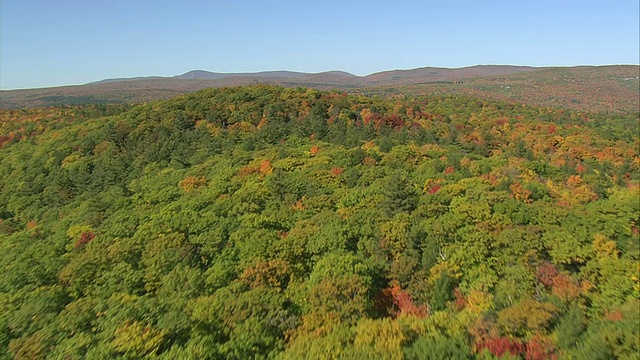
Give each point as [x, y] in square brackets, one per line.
[601, 88]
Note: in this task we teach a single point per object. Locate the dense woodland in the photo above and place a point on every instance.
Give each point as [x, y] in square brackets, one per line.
[275, 223]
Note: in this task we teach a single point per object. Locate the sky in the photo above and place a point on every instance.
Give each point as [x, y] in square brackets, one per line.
[47, 43]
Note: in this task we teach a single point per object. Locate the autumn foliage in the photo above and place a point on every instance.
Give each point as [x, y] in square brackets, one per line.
[501, 346]
[84, 239]
[190, 183]
[291, 223]
[401, 304]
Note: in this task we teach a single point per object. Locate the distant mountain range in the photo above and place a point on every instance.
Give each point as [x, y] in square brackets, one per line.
[207, 75]
[601, 88]
[393, 77]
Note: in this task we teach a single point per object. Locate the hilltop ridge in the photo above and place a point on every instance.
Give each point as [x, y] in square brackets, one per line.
[590, 88]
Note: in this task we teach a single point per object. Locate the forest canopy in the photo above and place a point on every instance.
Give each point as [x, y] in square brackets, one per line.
[276, 223]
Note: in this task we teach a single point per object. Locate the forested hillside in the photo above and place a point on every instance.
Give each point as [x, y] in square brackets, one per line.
[584, 88]
[274, 223]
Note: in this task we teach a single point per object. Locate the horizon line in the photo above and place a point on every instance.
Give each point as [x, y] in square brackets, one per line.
[142, 77]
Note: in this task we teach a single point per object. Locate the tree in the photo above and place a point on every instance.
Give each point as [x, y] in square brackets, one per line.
[400, 195]
[428, 347]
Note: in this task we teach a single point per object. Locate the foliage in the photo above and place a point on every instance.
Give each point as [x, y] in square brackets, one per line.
[265, 222]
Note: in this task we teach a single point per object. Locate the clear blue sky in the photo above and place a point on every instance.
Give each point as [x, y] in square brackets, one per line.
[59, 42]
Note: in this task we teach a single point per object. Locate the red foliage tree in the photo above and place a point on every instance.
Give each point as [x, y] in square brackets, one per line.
[85, 238]
[614, 315]
[540, 349]
[336, 171]
[502, 345]
[401, 302]
[546, 273]
[561, 284]
[392, 121]
[460, 302]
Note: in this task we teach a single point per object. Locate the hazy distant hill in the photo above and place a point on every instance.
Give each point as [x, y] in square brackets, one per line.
[432, 74]
[207, 75]
[586, 88]
[602, 88]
